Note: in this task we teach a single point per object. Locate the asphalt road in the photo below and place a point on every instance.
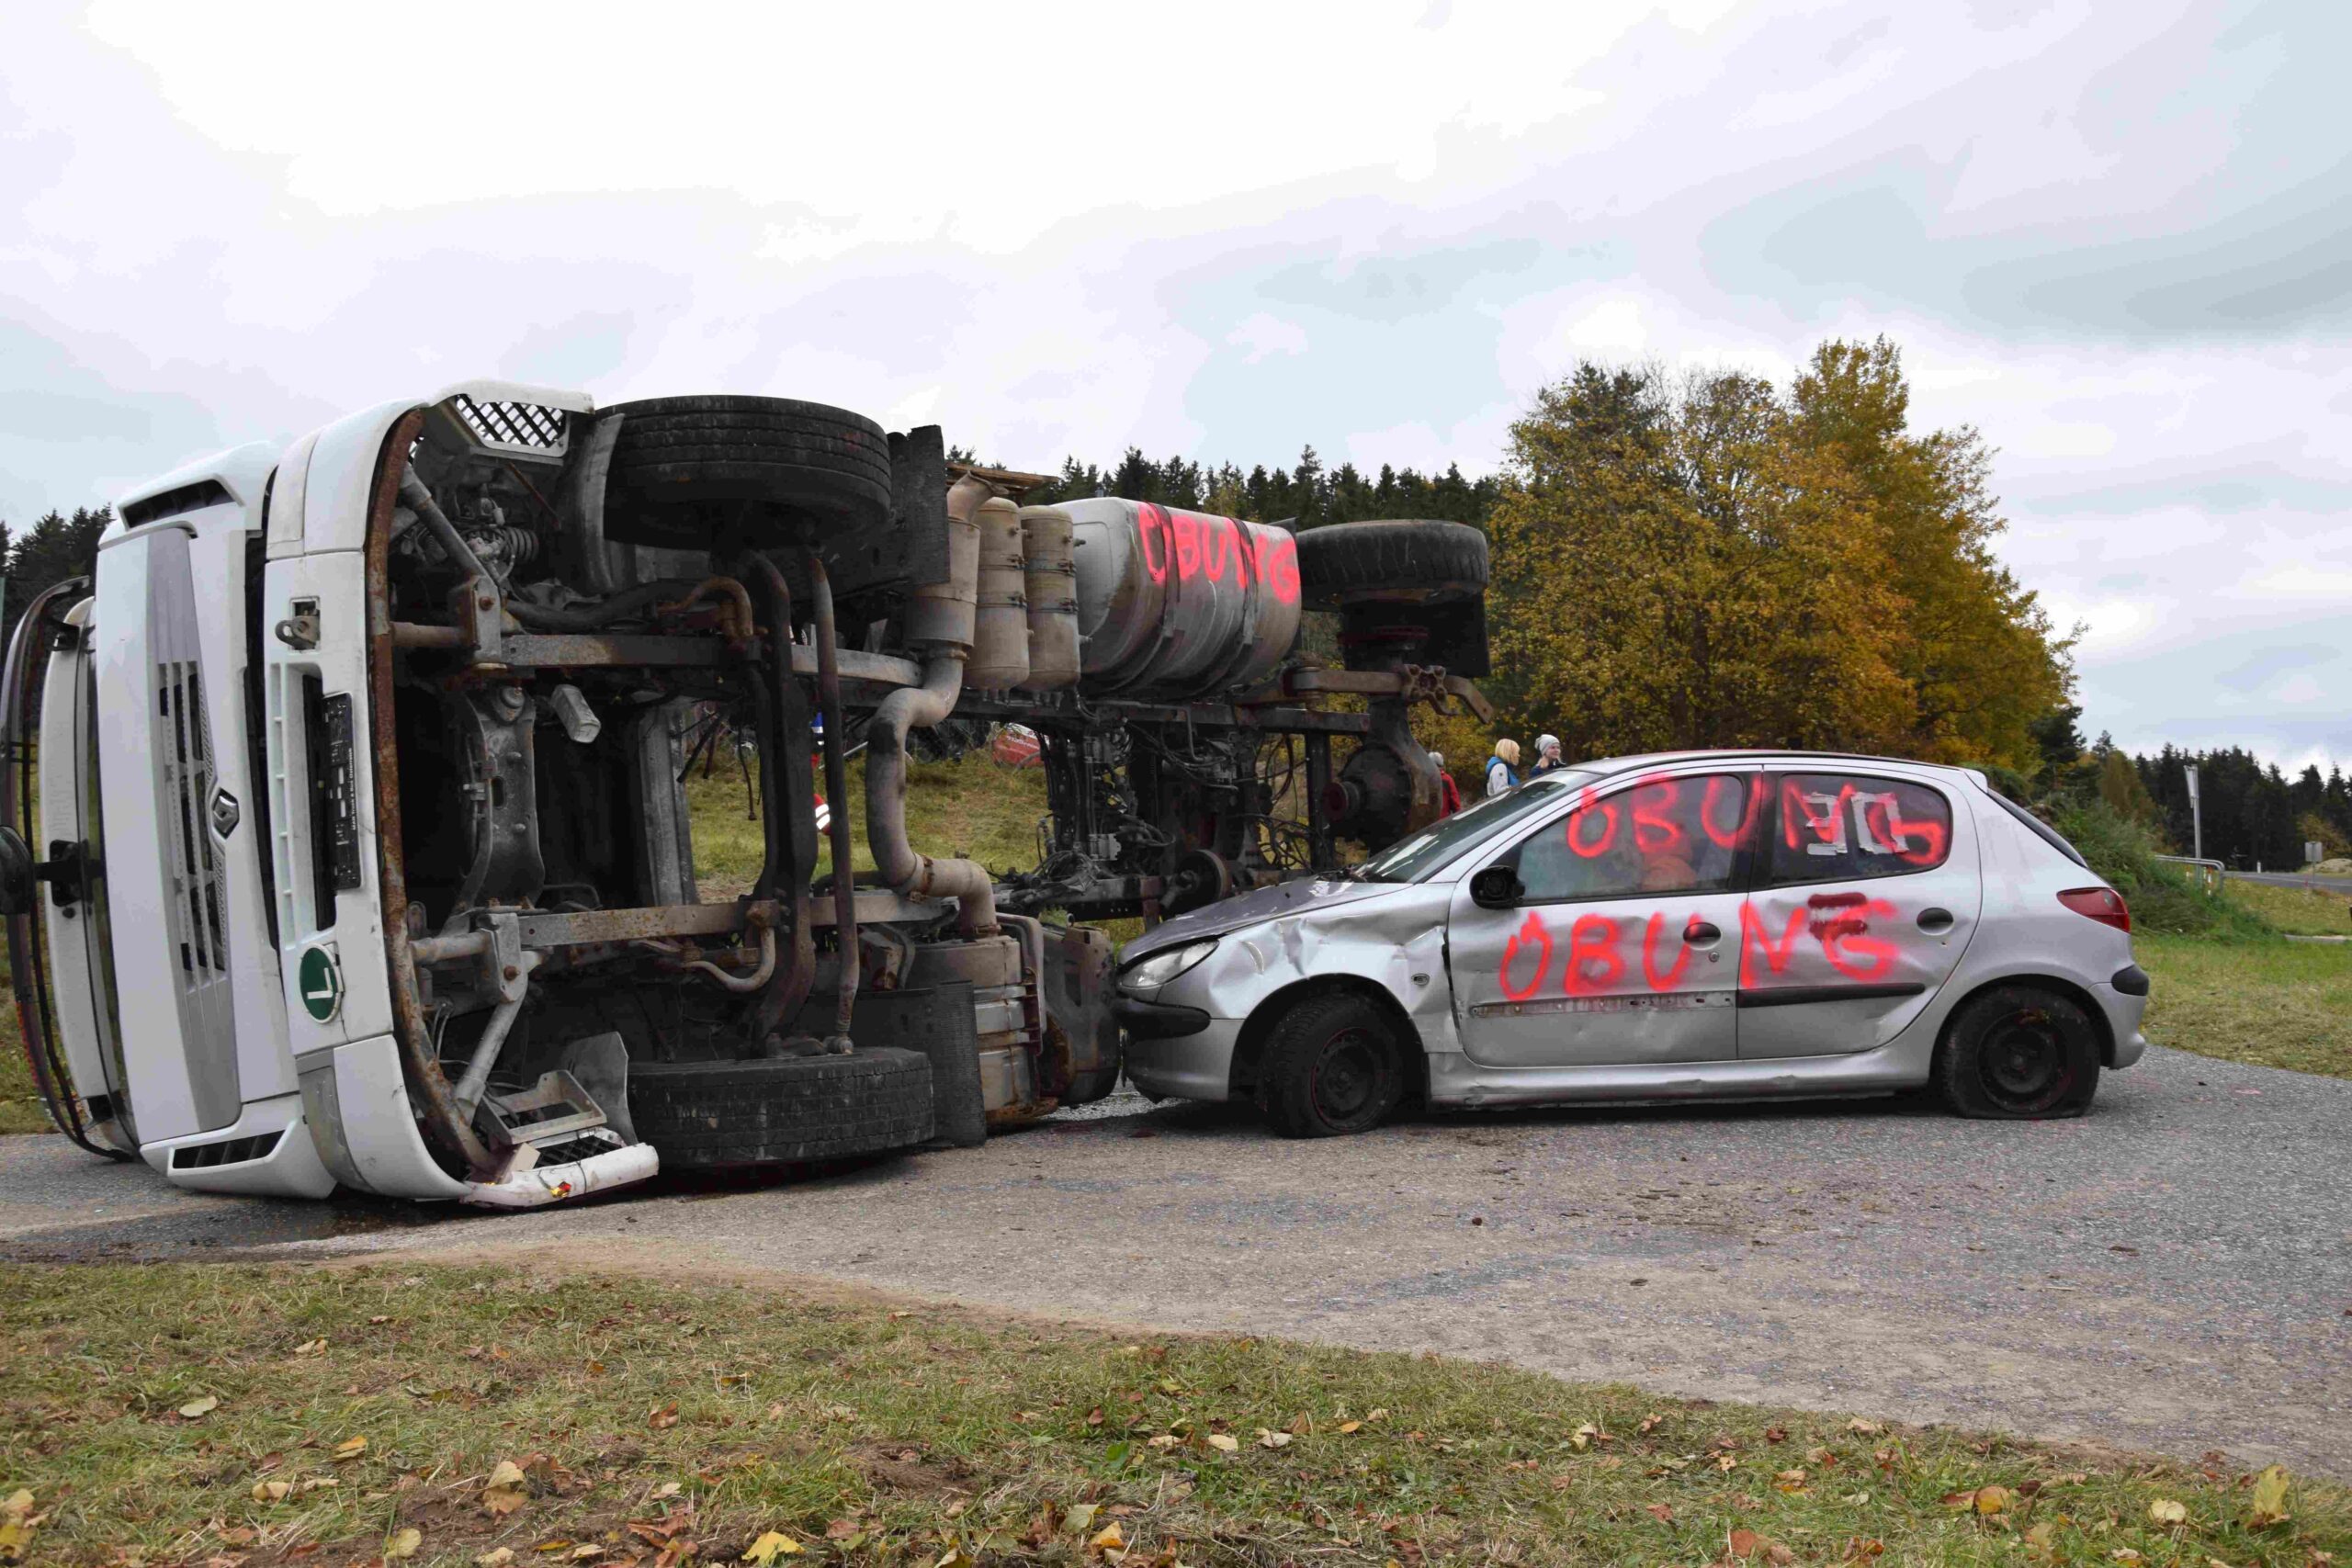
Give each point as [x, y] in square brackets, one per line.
[2173, 1273]
[2293, 879]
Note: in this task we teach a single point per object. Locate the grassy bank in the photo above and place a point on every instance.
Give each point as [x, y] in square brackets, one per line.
[2275, 1003]
[972, 808]
[191, 1413]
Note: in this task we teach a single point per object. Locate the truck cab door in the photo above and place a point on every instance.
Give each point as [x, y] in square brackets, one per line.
[1615, 940]
[1867, 891]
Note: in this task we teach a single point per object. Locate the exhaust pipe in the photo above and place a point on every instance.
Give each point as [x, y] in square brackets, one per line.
[941, 621]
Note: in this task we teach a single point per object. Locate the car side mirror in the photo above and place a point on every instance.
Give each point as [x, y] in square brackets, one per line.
[1497, 887]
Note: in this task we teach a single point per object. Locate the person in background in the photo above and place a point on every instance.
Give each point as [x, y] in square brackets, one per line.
[1547, 755]
[1502, 768]
[1449, 794]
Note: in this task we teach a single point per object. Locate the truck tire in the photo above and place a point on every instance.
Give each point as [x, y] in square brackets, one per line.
[705, 1116]
[1408, 560]
[780, 471]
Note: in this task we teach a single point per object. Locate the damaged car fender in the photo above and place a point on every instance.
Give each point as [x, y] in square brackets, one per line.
[1193, 1035]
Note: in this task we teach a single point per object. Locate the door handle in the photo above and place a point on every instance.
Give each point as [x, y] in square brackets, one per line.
[1932, 919]
[1700, 933]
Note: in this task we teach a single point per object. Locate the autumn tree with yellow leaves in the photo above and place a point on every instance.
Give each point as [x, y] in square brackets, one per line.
[1716, 562]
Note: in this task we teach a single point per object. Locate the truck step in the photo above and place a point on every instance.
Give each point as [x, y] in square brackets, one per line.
[553, 1110]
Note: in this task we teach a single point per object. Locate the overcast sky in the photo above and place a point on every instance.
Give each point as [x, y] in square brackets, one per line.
[2117, 238]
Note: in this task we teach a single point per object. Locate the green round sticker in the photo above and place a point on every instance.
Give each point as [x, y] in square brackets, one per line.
[320, 981]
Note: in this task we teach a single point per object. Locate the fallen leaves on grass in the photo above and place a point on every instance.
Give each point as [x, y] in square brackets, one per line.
[1269, 1438]
[348, 1449]
[17, 1523]
[2167, 1511]
[1225, 1442]
[771, 1545]
[496, 1557]
[196, 1409]
[506, 1490]
[2268, 1505]
[664, 1416]
[404, 1542]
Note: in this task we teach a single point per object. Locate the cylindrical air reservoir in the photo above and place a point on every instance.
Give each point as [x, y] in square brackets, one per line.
[1000, 639]
[1049, 579]
[940, 615]
[1174, 604]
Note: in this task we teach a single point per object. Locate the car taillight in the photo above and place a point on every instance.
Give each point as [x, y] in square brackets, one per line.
[2104, 905]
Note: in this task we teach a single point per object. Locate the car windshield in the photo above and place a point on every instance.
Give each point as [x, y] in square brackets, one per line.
[1417, 857]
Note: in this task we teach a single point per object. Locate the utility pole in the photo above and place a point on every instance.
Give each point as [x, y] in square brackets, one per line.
[2196, 817]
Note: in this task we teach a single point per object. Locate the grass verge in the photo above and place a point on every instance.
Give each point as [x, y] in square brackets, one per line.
[244, 1414]
[2272, 1002]
[973, 809]
[2313, 913]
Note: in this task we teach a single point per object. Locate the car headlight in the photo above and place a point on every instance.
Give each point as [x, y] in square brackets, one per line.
[1150, 973]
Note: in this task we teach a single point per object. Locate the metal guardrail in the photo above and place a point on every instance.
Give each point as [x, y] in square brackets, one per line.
[2209, 871]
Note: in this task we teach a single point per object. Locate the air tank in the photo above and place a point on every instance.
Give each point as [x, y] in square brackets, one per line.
[1175, 604]
[1000, 639]
[1049, 580]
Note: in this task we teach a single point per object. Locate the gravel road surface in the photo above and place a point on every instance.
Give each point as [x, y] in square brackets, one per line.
[2173, 1273]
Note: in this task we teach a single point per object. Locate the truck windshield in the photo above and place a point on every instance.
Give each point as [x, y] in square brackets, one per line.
[1415, 858]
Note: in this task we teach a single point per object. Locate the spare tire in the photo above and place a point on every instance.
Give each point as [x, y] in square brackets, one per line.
[702, 1115]
[1407, 560]
[780, 471]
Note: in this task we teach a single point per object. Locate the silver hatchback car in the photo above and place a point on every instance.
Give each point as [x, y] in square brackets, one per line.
[1686, 926]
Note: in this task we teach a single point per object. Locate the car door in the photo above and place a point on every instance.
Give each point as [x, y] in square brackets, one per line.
[1866, 893]
[1616, 941]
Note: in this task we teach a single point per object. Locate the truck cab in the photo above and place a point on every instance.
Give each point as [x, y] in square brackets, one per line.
[347, 844]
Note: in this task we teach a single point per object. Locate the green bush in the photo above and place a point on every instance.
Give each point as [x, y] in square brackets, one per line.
[2162, 898]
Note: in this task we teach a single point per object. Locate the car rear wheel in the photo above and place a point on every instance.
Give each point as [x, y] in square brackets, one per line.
[708, 1115]
[2019, 1053]
[1333, 1066]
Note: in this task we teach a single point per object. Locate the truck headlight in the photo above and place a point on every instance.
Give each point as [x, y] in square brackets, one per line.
[1150, 973]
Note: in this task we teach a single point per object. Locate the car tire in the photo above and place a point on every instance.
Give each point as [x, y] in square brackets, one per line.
[1334, 1065]
[2019, 1053]
[711, 1115]
[1406, 560]
[773, 470]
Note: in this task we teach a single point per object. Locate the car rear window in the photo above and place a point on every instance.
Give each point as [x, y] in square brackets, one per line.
[1850, 827]
[2041, 830]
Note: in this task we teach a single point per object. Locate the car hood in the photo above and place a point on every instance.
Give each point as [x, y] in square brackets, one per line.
[1265, 904]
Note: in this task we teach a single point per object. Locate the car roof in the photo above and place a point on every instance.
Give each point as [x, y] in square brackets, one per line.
[1609, 765]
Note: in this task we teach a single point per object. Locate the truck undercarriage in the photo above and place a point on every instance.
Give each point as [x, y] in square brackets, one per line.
[366, 758]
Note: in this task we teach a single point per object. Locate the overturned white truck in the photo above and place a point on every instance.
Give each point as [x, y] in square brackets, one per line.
[345, 840]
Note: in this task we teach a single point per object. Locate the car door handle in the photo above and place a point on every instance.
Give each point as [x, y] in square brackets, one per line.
[1932, 919]
[1700, 933]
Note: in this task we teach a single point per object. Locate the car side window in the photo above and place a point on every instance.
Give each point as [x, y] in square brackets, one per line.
[1848, 827]
[1663, 835]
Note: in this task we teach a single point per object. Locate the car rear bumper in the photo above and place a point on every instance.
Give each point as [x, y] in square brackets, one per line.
[2124, 1004]
[1196, 1066]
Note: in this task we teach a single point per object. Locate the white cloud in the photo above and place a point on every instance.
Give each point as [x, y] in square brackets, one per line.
[1086, 229]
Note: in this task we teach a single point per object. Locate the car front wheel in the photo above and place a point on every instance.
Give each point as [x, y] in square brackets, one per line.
[1334, 1065]
[2018, 1051]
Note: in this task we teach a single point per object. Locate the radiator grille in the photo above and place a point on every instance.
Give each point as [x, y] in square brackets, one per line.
[513, 425]
[227, 1151]
[199, 884]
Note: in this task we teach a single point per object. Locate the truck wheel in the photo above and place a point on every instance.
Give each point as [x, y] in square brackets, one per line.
[778, 470]
[2019, 1053]
[1409, 560]
[1334, 1065]
[703, 1115]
